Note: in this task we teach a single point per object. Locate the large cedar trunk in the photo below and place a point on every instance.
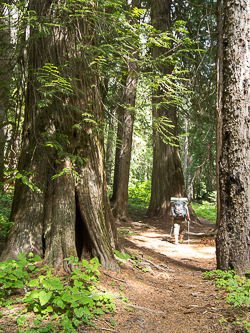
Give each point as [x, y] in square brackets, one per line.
[233, 237]
[71, 214]
[167, 175]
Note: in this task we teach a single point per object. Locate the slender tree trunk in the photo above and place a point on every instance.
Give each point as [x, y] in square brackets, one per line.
[121, 202]
[167, 175]
[109, 150]
[120, 114]
[188, 177]
[123, 153]
[70, 215]
[5, 76]
[219, 101]
[233, 237]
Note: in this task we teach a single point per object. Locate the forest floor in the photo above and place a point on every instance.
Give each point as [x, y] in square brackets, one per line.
[173, 297]
[171, 294]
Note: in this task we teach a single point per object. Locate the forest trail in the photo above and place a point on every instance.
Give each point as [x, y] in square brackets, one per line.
[161, 289]
[173, 297]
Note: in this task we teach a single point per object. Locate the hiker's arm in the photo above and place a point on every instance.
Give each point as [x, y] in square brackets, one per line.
[173, 214]
[188, 215]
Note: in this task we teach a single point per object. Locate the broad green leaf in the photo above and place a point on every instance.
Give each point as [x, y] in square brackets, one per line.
[59, 302]
[12, 277]
[78, 284]
[34, 283]
[8, 285]
[21, 320]
[66, 296]
[37, 258]
[18, 284]
[95, 261]
[79, 312]
[32, 267]
[47, 310]
[44, 297]
[85, 263]
[98, 311]
[74, 305]
[86, 301]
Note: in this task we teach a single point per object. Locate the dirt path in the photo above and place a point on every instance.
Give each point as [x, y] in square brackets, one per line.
[173, 297]
[162, 290]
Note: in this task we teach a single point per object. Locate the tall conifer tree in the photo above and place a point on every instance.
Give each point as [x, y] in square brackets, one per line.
[233, 237]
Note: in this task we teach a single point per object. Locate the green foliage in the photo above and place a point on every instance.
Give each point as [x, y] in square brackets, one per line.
[136, 260]
[5, 208]
[52, 83]
[137, 206]
[71, 301]
[125, 231]
[139, 196]
[25, 177]
[238, 288]
[121, 255]
[206, 210]
[140, 191]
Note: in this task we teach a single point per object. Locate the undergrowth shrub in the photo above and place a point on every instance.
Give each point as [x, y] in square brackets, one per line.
[140, 191]
[139, 197]
[66, 302]
[237, 287]
[207, 210]
[5, 208]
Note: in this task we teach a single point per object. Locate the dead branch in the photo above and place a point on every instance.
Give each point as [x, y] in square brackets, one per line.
[145, 309]
[156, 266]
[112, 277]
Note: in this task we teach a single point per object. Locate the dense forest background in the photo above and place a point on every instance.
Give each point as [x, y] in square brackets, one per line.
[136, 63]
[196, 108]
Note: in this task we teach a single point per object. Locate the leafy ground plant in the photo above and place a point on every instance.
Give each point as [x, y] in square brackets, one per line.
[5, 207]
[59, 303]
[238, 288]
[206, 210]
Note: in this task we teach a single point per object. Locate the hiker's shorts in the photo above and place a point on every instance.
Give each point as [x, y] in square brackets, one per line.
[179, 227]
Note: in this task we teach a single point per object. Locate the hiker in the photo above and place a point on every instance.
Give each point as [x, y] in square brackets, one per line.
[180, 214]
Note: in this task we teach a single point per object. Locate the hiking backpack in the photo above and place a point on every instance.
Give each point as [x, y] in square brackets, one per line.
[180, 209]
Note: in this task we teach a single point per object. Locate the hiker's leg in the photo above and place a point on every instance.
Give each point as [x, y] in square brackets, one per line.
[176, 239]
[176, 232]
[182, 231]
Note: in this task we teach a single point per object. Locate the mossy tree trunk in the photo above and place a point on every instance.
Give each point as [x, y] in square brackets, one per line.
[63, 150]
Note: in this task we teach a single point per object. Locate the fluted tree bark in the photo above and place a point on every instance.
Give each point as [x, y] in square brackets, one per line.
[62, 150]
